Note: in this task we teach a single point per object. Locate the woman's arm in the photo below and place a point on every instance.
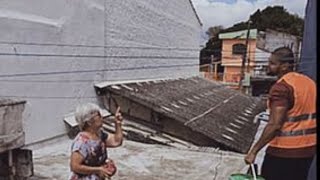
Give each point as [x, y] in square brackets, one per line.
[115, 140]
[77, 166]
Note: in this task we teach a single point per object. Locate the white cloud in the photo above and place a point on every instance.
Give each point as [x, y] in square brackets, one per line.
[219, 13]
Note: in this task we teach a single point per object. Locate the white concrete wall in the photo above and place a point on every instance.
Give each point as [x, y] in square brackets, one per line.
[261, 57]
[52, 52]
[276, 39]
[261, 61]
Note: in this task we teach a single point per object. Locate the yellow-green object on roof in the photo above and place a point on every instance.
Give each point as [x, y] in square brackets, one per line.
[239, 34]
[244, 177]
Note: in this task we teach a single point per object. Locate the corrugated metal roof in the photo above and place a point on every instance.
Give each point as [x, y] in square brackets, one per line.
[221, 114]
[239, 34]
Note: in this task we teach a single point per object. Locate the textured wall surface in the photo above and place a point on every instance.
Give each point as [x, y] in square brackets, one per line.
[275, 39]
[52, 52]
[11, 128]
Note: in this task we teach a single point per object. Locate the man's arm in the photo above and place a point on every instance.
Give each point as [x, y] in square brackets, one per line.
[276, 120]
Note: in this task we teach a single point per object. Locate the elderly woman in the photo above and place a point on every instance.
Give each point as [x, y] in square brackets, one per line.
[89, 159]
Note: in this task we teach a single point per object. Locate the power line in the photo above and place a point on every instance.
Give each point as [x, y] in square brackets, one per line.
[118, 47]
[257, 63]
[67, 81]
[94, 56]
[260, 58]
[47, 97]
[92, 80]
[97, 46]
[102, 57]
[95, 70]
[113, 56]
[221, 50]
[46, 81]
[256, 58]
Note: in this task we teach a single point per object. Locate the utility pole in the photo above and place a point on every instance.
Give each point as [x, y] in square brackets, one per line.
[248, 63]
[216, 70]
[211, 64]
[244, 56]
[211, 67]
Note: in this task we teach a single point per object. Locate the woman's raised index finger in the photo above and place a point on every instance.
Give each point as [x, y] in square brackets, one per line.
[118, 110]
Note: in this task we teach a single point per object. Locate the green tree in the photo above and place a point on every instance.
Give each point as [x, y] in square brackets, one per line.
[276, 18]
[213, 47]
[214, 31]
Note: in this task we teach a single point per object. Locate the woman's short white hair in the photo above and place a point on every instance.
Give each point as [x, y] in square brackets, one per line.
[84, 113]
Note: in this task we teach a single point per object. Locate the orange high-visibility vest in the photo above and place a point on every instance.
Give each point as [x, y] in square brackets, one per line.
[299, 128]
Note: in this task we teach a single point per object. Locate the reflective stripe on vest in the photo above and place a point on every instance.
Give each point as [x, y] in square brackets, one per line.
[302, 117]
[299, 129]
[298, 132]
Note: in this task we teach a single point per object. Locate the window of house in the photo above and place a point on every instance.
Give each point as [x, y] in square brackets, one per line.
[238, 49]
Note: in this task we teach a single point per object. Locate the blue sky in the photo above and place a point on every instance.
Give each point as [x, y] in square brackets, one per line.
[229, 12]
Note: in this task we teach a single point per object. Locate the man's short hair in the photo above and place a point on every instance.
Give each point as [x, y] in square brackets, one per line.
[284, 55]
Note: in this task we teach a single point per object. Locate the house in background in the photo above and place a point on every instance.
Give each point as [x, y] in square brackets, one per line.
[233, 46]
[260, 45]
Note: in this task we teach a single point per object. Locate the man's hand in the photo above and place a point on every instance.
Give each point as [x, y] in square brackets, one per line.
[250, 157]
[276, 120]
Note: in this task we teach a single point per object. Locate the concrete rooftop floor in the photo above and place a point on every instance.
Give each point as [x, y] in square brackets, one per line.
[144, 161]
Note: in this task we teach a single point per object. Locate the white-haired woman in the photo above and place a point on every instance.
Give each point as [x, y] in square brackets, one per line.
[88, 150]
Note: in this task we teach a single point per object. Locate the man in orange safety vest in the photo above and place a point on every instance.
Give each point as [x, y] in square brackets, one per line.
[291, 129]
